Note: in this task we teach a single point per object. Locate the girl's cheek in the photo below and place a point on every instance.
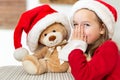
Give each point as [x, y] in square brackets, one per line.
[86, 32]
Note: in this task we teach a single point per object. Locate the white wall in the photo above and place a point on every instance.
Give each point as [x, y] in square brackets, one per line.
[61, 8]
[116, 36]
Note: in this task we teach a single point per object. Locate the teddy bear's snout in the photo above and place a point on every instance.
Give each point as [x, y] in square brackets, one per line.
[52, 38]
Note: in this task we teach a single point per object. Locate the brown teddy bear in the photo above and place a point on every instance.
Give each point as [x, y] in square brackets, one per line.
[46, 58]
[47, 32]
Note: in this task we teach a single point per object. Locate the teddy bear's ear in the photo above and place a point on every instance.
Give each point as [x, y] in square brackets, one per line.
[65, 32]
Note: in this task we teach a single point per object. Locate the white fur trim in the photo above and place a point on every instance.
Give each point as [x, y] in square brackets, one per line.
[42, 24]
[20, 53]
[100, 9]
[74, 44]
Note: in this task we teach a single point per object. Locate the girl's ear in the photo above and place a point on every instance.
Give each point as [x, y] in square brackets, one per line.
[102, 29]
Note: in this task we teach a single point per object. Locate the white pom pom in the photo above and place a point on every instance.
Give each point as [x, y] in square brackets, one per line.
[20, 53]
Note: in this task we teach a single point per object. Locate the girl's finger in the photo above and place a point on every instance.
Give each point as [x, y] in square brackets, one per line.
[82, 32]
[79, 30]
[74, 33]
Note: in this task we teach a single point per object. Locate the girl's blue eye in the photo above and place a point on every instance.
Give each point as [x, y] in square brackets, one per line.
[86, 25]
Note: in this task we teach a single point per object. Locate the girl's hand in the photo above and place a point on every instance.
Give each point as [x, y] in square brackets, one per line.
[78, 42]
[79, 34]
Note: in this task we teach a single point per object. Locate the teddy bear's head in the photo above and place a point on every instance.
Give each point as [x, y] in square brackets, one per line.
[53, 35]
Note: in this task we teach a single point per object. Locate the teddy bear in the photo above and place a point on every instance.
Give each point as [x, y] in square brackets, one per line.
[46, 58]
[47, 32]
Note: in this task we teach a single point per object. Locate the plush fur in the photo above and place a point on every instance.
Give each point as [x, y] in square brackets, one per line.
[45, 59]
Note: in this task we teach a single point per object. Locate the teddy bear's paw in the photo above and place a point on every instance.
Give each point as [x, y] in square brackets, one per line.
[30, 67]
[59, 48]
[31, 64]
[51, 50]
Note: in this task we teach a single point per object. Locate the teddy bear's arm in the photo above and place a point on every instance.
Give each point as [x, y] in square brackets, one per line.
[41, 52]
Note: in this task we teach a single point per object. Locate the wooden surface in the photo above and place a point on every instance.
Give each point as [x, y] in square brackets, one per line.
[59, 1]
[10, 11]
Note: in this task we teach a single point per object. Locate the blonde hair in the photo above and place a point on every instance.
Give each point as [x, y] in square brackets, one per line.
[92, 47]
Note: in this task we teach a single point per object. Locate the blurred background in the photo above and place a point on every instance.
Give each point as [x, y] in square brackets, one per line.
[10, 11]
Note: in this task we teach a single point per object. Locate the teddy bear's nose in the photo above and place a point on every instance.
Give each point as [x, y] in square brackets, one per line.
[52, 38]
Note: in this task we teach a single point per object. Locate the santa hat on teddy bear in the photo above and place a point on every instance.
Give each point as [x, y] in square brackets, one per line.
[33, 22]
[106, 12]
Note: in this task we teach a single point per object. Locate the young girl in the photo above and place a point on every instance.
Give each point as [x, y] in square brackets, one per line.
[93, 22]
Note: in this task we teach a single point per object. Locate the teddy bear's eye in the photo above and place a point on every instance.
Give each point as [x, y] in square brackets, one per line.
[45, 34]
[54, 31]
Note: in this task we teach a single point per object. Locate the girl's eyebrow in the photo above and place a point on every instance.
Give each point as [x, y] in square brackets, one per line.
[86, 21]
[82, 21]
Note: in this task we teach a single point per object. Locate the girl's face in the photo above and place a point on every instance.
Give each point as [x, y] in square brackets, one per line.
[89, 20]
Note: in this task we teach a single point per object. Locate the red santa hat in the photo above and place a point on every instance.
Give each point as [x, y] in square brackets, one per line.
[104, 11]
[33, 22]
